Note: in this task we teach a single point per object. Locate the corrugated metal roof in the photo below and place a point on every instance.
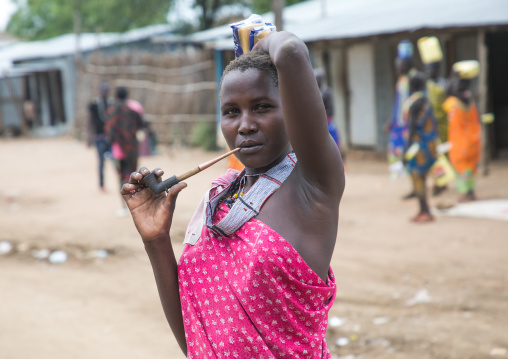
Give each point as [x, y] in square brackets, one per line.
[343, 19]
[373, 17]
[65, 45]
[358, 18]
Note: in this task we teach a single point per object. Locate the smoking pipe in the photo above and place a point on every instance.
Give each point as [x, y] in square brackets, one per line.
[158, 187]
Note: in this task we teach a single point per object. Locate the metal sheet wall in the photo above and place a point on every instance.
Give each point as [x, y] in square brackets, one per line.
[11, 101]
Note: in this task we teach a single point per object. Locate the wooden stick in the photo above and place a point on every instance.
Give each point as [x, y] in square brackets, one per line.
[205, 165]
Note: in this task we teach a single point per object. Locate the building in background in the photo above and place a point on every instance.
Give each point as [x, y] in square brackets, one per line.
[43, 74]
[355, 41]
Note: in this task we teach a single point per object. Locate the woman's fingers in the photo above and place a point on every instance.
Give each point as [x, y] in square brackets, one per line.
[259, 47]
[144, 171]
[158, 174]
[128, 189]
[135, 177]
[133, 186]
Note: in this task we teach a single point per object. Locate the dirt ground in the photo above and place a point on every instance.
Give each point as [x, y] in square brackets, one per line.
[90, 307]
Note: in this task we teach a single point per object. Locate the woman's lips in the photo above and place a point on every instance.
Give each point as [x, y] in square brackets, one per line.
[251, 149]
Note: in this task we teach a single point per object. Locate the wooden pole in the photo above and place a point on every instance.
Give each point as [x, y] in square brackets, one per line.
[77, 32]
[483, 98]
[323, 9]
[77, 68]
[277, 7]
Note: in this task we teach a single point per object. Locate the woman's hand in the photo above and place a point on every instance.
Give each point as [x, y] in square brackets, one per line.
[152, 215]
[272, 42]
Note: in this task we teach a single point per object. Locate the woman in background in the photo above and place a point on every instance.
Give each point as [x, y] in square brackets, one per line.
[464, 129]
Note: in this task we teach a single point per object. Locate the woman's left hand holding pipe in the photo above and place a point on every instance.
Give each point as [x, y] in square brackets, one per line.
[152, 214]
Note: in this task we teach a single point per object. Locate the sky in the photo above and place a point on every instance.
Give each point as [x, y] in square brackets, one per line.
[7, 8]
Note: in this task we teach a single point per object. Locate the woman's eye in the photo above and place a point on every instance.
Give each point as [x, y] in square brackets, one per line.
[262, 107]
[231, 111]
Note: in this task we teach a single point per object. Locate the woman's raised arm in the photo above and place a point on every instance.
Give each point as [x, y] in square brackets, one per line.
[304, 112]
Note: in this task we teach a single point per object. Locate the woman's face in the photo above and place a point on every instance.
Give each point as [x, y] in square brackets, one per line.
[402, 65]
[251, 118]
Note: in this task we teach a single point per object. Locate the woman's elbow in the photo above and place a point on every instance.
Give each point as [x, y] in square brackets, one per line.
[292, 49]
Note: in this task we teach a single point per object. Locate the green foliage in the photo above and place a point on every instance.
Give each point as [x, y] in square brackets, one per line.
[203, 135]
[183, 28]
[209, 9]
[42, 19]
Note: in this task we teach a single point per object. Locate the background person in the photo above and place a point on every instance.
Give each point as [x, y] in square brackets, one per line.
[145, 136]
[121, 128]
[97, 118]
[432, 56]
[326, 94]
[422, 137]
[464, 129]
[397, 127]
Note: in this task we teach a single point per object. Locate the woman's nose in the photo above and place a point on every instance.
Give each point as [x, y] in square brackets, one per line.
[247, 125]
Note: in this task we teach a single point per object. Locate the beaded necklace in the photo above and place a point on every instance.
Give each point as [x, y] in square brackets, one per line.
[245, 206]
[237, 189]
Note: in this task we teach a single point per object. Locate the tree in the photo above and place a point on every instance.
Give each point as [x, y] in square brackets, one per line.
[42, 19]
[209, 10]
[262, 6]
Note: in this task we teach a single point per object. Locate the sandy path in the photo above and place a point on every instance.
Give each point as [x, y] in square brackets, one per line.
[109, 308]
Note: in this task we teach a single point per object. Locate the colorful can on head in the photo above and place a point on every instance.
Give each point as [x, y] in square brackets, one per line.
[430, 49]
[248, 32]
[467, 70]
[241, 33]
[405, 49]
[259, 32]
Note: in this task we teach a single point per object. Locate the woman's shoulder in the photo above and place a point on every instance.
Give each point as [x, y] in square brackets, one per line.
[419, 104]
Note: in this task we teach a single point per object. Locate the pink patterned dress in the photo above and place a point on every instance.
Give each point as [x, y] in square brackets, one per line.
[251, 295]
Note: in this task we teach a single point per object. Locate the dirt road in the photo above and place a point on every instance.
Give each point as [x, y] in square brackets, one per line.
[92, 307]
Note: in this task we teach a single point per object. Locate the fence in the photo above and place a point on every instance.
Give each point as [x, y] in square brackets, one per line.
[177, 90]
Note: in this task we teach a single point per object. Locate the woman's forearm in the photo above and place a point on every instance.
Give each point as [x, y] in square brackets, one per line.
[165, 270]
[304, 112]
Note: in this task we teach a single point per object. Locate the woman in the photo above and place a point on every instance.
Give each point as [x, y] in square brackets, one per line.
[254, 279]
[423, 137]
[464, 129]
[397, 127]
[121, 127]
